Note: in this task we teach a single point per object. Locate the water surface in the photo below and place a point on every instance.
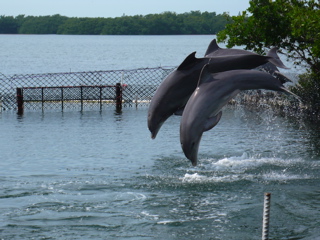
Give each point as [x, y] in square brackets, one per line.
[22, 54]
[99, 175]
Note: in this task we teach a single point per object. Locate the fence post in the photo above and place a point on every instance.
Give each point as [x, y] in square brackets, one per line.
[62, 107]
[20, 100]
[100, 98]
[118, 96]
[81, 98]
[42, 98]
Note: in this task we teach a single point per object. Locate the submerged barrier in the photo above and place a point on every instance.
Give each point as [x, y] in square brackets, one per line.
[70, 94]
[80, 90]
[101, 89]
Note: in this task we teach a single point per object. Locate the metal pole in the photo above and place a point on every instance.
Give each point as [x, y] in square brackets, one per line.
[266, 216]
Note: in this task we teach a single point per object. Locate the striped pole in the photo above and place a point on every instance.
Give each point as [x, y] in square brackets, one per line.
[266, 216]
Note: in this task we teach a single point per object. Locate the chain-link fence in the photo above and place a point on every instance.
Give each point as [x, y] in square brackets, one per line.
[80, 90]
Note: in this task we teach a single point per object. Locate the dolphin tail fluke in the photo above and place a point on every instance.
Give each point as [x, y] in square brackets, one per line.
[275, 58]
[281, 77]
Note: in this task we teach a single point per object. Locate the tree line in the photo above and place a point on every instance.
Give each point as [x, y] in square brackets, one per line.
[166, 23]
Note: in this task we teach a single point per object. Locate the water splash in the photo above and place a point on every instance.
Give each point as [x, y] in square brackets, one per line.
[249, 168]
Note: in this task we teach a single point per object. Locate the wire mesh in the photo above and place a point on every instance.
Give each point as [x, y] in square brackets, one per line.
[74, 90]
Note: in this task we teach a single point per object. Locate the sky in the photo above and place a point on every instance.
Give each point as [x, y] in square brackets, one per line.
[117, 8]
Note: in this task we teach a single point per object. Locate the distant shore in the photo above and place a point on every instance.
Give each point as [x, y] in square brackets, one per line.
[167, 23]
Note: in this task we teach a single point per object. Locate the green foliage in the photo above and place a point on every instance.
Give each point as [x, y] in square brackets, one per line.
[41, 25]
[194, 22]
[292, 25]
[8, 25]
[308, 88]
[89, 26]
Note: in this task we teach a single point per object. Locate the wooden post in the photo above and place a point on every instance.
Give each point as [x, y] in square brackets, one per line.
[62, 107]
[20, 100]
[81, 98]
[100, 98]
[42, 98]
[118, 96]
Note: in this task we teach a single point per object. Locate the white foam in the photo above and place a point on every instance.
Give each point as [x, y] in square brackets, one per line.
[245, 167]
[193, 178]
[166, 222]
[245, 162]
[148, 215]
[130, 196]
[282, 176]
[196, 178]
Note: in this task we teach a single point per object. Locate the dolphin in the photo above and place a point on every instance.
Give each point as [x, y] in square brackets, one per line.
[269, 67]
[175, 90]
[203, 109]
[214, 50]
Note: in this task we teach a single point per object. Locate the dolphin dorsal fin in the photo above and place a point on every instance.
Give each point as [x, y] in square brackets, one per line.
[213, 46]
[188, 62]
[204, 75]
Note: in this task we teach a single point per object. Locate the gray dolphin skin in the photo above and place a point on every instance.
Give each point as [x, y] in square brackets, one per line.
[203, 109]
[175, 90]
[269, 67]
[214, 50]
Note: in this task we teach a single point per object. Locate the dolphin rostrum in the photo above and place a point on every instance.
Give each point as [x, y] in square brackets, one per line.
[203, 109]
[175, 90]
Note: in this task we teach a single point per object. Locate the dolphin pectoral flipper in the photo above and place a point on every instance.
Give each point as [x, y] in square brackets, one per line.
[212, 121]
[179, 112]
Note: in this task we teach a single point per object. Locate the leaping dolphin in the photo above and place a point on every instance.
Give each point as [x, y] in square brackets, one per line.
[175, 90]
[203, 109]
[269, 67]
[214, 50]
